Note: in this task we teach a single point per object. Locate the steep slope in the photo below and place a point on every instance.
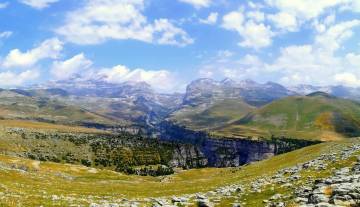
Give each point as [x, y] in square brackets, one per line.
[256, 94]
[316, 116]
[204, 117]
[209, 104]
[21, 104]
[135, 103]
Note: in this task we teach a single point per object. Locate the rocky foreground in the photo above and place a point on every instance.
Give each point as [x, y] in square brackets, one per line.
[321, 175]
[332, 179]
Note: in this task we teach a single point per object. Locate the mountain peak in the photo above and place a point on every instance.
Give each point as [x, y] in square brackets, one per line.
[320, 94]
[228, 81]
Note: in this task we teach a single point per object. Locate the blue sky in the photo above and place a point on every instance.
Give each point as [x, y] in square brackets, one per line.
[169, 43]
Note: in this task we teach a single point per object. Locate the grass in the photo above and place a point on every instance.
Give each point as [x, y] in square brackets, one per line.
[86, 184]
[316, 117]
[217, 114]
[256, 199]
[16, 106]
[48, 126]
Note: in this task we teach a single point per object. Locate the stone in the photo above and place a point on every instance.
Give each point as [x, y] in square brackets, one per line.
[318, 198]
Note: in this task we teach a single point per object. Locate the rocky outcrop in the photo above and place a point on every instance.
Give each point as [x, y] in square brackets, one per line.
[188, 156]
[222, 151]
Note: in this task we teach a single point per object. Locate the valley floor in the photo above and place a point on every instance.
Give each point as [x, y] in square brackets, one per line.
[272, 182]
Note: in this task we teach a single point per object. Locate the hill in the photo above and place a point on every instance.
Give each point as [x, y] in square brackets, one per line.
[25, 105]
[315, 116]
[205, 117]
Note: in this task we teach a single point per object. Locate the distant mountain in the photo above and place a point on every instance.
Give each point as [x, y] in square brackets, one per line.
[209, 104]
[318, 116]
[206, 105]
[134, 102]
[338, 91]
[26, 105]
[253, 93]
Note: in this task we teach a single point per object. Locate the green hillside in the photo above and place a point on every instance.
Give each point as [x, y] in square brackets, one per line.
[16, 105]
[316, 116]
[217, 114]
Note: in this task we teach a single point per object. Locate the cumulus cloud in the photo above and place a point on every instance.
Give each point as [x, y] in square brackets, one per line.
[284, 21]
[101, 20]
[211, 19]
[319, 62]
[198, 3]
[255, 35]
[167, 34]
[162, 80]
[50, 48]
[16, 79]
[38, 4]
[65, 69]
[331, 39]
[293, 14]
[305, 9]
[306, 63]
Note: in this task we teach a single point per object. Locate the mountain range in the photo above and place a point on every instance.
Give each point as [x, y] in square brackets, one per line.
[206, 105]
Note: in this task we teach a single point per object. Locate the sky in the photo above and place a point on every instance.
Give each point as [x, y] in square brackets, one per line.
[170, 43]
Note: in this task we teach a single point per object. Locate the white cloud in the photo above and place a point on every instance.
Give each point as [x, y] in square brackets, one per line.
[167, 34]
[347, 79]
[305, 9]
[284, 21]
[38, 4]
[256, 16]
[16, 79]
[253, 5]
[319, 63]
[197, 3]
[211, 19]
[255, 35]
[65, 69]
[331, 39]
[353, 59]
[101, 20]
[4, 5]
[161, 80]
[50, 48]
[233, 21]
[6, 34]
[226, 65]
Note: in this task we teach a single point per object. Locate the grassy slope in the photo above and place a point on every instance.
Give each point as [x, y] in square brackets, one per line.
[48, 127]
[315, 117]
[17, 106]
[218, 114]
[85, 184]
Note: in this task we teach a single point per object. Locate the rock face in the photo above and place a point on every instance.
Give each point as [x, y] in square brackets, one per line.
[232, 153]
[223, 152]
[188, 156]
[206, 90]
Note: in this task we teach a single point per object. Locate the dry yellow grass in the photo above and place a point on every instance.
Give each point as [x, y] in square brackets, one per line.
[324, 121]
[48, 126]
